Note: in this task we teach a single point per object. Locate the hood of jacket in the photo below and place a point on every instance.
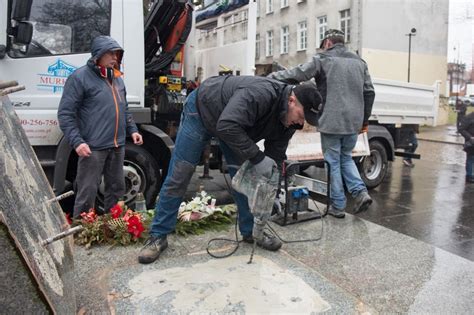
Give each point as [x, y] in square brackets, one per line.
[102, 44]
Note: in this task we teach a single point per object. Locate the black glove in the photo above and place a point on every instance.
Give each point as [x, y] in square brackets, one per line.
[265, 167]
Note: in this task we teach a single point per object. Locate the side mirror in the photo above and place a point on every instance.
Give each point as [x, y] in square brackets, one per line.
[23, 33]
[21, 10]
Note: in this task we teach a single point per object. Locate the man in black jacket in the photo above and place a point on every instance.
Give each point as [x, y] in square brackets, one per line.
[239, 111]
[466, 129]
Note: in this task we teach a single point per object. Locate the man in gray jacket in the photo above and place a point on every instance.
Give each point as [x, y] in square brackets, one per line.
[93, 115]
[345, 85]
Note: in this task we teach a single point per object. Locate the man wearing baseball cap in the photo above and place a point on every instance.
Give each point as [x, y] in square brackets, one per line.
[240, 111]
[343, 80]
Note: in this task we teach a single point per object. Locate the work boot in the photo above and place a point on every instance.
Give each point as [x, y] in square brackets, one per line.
[152, 249]
[337, 213]
[362, 202]
[269, 242]
[247, 239]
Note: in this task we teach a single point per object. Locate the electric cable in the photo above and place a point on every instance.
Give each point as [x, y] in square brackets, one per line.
[268, 228]
[236, 241]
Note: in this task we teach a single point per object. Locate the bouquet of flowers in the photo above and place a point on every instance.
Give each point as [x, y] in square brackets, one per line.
[121, 226]
[201, 214]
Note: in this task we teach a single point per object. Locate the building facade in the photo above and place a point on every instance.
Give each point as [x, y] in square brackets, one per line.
[289, 32]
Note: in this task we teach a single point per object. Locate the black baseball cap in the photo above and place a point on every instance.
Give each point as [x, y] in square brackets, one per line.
[308, 96]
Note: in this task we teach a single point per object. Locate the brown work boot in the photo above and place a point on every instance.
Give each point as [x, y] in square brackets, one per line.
[152, 249]
[362, 202]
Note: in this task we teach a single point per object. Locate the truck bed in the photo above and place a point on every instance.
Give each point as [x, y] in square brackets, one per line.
[405, 103]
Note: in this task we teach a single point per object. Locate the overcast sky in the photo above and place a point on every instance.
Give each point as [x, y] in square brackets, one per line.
[461, 31]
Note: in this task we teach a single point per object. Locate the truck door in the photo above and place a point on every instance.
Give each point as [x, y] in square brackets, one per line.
[62, 31]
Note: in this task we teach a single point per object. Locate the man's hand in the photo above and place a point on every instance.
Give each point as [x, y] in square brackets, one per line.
[365, 128]
[265, 167]
[83, 150]
[137, 138]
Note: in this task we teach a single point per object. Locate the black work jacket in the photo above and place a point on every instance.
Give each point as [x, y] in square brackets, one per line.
[242, 110]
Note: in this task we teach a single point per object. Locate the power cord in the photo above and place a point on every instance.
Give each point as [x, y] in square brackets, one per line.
[236, 241]
[269, 227]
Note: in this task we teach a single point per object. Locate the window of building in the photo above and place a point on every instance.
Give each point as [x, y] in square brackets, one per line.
[346, 24]
[322, 28]
[284, 4]
[257, 46]
[269, 6]
[269, 44]
[244, 24]
[284, 40]
[302, 37]
[56, 31]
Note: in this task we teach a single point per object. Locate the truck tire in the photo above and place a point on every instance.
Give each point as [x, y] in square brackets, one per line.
[141, 173]
[373, 168]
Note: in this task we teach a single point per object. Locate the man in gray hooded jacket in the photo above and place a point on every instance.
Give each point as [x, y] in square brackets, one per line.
[346, 88]
[93, 115]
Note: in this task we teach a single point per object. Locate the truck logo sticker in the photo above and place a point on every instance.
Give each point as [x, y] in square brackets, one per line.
[56, 77]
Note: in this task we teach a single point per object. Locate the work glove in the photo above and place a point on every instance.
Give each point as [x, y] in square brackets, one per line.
[265, 167]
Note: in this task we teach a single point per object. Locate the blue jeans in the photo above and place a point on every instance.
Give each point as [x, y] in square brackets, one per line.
[190, 142]
[469, 166]
[337, 150]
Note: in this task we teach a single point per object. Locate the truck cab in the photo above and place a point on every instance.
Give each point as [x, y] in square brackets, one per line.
[42, 43]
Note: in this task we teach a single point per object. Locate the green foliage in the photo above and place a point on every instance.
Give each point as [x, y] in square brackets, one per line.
[215, 222]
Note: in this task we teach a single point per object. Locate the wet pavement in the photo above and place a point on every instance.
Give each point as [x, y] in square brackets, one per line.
[411, 252]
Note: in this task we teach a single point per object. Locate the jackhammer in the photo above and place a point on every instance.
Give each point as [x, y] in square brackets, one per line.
[260, 192]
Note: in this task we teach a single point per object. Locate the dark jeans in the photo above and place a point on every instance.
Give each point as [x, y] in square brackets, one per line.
[469, 166]
[90, 169]
[190, 142]
[413, 143]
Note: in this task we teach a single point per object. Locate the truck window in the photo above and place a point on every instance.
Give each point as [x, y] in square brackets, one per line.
[65, 26]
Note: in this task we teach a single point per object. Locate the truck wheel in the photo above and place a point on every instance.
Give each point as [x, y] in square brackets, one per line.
[141, 173]
[373, 168]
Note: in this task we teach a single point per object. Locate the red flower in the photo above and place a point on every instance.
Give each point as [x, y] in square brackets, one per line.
[128, 214]
[135, 226]
[116, 211]
[68, 219]
[90, 216]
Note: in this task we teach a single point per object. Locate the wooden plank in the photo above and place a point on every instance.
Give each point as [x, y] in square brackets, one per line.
[29, 219]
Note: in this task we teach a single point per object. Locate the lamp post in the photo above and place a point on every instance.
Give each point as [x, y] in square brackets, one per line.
[412, 33]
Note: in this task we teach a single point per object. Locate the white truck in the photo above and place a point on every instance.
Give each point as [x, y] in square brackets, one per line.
[43, 41]
[397, 107]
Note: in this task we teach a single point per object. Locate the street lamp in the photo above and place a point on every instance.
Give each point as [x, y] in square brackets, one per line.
[412, 33]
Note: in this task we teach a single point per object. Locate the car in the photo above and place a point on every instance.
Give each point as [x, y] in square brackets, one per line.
[452, 101]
